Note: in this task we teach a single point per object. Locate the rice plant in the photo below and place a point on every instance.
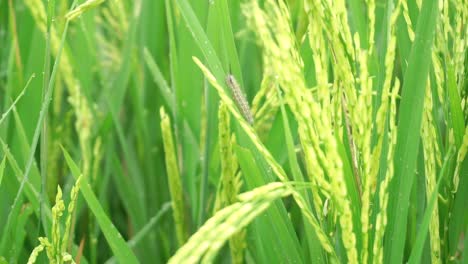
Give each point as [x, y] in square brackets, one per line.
[243, 131]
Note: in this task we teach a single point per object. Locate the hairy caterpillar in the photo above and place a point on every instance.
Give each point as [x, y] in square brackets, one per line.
[240, 99]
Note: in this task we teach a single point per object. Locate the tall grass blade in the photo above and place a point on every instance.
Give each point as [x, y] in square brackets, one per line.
[416, 252]
[42, 114]
[409, 125]
[121, 250]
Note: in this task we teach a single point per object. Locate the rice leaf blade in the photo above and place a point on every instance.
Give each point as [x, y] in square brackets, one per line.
[121, 250]
[409, 125]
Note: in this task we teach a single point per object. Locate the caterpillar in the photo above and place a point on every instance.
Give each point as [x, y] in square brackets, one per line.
[240, 99]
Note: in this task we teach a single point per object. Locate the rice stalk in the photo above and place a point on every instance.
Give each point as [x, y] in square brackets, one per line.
[230, 180]
[265, 105]
[431, 151]
[460, 42]
[276, 168]
[13, 104]
[274, 33]
[409, 24]
[381, 219]
[56, 245]
[175, 182]
[373, 160]
[84, 7]
[204, 244]
[77, 100]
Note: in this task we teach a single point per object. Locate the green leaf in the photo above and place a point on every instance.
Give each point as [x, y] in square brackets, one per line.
[408, 135]
[458, 217]
[146, 230]
[2, 169]
[465, 250]
[315, 248]
[274, 232]
[115, 91]
[159, 80]
[417, 250]
[456, 117]
[122, 251]
[202, 40]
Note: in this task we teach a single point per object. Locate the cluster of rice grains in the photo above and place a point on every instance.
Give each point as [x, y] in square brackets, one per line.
[313, 116]
[58, 244]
